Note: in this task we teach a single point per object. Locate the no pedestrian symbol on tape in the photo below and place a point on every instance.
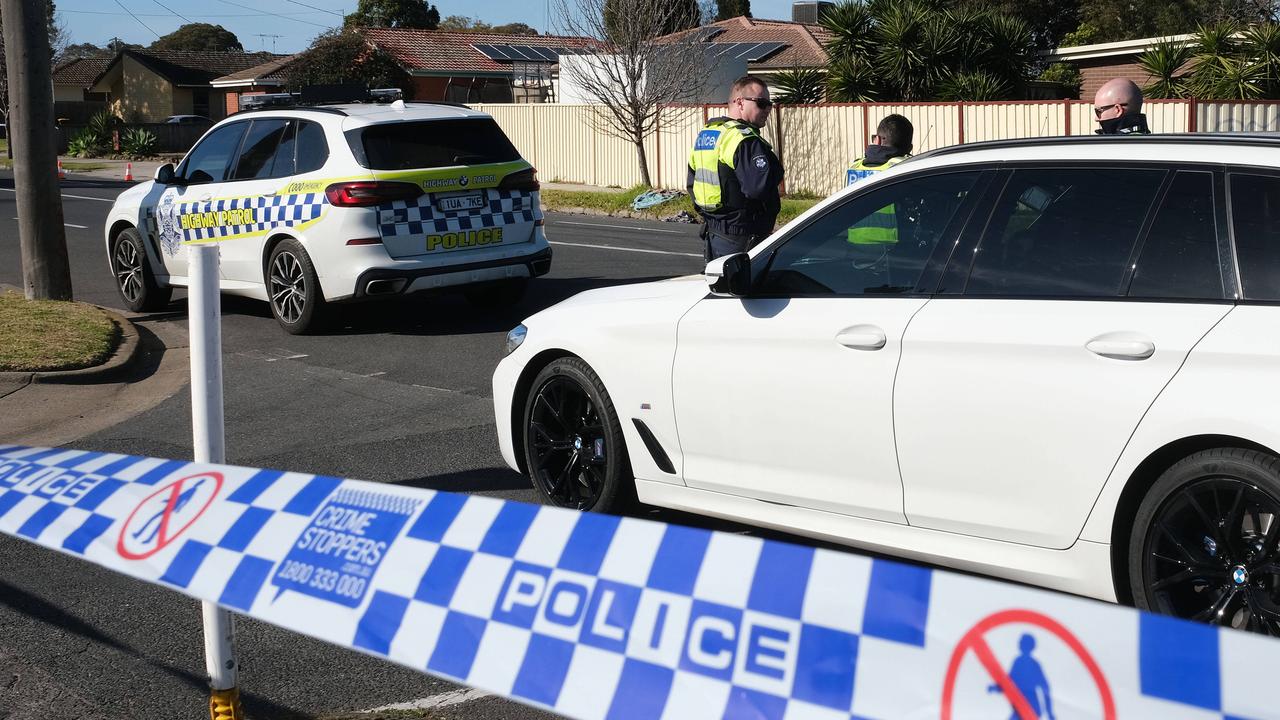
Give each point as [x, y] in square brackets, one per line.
[165, 514]
[1030, 684]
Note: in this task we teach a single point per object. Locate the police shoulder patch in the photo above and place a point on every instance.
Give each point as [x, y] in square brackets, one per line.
[761, 162]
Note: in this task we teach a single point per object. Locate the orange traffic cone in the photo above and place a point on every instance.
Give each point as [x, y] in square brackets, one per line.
[128, 172]
[62, 174]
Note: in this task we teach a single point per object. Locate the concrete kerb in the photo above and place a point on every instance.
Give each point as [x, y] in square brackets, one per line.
[125, 353]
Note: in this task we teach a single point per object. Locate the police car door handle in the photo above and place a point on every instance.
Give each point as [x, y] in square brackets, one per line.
[862, 337]
[205, 198]
[1121, 346]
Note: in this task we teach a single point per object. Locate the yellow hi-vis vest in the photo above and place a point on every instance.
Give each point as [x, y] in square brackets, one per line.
[881, 227]
[715, 146]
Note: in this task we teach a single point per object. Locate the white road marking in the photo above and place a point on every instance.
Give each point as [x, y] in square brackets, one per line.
[285, 357]
[619, 227]
[78, 197]
[82, 227]
[622, 249]
[455, 697]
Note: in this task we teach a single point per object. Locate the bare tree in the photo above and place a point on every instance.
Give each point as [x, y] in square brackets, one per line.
[642, 61]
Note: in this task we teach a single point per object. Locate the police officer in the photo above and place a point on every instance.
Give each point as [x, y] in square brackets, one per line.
[734, 174]
[891, 144]
[1118, 108]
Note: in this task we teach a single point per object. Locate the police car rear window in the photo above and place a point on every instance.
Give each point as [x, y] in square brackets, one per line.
[432, 144]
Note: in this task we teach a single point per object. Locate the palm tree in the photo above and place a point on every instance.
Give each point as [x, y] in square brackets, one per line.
[1262, 43]
[1163, 63]
[799, 86]
[917, 49]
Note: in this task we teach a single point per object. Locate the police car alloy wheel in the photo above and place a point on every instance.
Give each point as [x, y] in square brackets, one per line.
[574, 448]
[296, 302]
[134, 279]
[1208, 541]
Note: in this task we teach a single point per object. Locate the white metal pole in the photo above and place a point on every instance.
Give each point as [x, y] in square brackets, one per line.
[204, 312]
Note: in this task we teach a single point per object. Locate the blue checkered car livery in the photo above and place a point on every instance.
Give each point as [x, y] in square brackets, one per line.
[269, 212]
[595, 616]
[420, 215]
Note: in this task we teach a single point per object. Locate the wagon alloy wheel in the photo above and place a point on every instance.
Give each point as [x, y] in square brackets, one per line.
[135, 282]
[1212, 554]
[129, 271]
[288, 287]
[569, 449]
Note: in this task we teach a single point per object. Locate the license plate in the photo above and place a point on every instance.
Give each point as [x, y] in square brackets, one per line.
[461, 202]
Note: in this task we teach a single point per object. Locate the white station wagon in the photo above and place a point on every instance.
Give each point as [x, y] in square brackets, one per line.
[1063, 370]
[341, 202]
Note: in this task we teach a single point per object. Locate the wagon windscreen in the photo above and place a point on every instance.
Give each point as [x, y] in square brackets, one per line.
[433, 144]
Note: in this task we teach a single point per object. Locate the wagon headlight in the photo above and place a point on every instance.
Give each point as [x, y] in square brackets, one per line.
[515, 338]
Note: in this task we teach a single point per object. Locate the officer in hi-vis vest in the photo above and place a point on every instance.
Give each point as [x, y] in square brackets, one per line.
[734, 175]
[889, 146]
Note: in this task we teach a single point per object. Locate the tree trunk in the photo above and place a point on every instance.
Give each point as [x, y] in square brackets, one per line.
[643, 157]
[46, 272]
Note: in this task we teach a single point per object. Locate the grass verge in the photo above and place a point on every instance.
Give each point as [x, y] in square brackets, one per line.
[73, 166]
[618, 202]
[37, 335]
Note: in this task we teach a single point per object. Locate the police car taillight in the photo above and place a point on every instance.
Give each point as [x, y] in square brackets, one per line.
[526, 180]
[366, 194]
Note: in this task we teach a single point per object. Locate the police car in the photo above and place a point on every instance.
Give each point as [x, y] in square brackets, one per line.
[1059, 364]
[312, 204]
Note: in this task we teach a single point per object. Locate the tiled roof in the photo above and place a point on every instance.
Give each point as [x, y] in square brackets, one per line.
[198, 68]
[435, 51]
[271, 70]
[804, 42]
[80, 72]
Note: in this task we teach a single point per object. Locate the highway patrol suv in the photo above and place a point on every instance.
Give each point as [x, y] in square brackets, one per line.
[314, 204]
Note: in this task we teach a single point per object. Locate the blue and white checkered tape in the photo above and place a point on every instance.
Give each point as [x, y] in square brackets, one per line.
[595, 616]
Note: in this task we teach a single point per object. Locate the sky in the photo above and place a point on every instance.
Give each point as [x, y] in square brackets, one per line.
[284, 26]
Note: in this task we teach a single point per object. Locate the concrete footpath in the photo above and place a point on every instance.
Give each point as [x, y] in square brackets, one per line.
[55, 408]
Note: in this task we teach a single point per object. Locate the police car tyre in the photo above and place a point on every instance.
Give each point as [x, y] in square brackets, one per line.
[1205, 543]
[294, 292]
[498, 295]
[573, 445]
[135, 281]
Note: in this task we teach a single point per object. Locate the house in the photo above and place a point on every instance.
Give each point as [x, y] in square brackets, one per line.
[478, 67]
[73, 101]
[149, 86]
[269, 77]
[1101, 62]
[768, 46]
[73, 78]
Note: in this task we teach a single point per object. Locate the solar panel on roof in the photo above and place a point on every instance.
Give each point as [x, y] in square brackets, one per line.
[489, 51]
[548, 54]
[764, 50]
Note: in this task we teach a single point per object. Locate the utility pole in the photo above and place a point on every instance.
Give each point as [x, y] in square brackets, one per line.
[46, 272]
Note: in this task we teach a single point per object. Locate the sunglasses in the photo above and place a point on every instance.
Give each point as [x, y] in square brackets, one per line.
[1098, 111]
[760, 102]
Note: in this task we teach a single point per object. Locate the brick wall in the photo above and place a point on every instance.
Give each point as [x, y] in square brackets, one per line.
[1097, 71]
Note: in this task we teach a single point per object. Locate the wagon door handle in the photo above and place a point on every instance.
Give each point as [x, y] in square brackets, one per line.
[862, 337]
[1121, 346]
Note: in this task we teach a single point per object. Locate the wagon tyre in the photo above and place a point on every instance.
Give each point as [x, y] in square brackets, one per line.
[1205, 543]
[573, 444]
[135, 281]
[293, 289]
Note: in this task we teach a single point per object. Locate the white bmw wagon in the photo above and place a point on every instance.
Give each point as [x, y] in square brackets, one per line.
[1061, 365]
[323, 203]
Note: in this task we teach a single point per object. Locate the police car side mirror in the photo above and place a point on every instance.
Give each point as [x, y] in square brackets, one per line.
[164, 174]
[729, 275]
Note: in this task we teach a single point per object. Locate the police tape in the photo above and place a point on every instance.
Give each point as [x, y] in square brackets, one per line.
[594, 616]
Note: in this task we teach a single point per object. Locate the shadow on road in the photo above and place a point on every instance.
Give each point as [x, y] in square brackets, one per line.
[493, 479]
[450, 313]
[38, 609]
